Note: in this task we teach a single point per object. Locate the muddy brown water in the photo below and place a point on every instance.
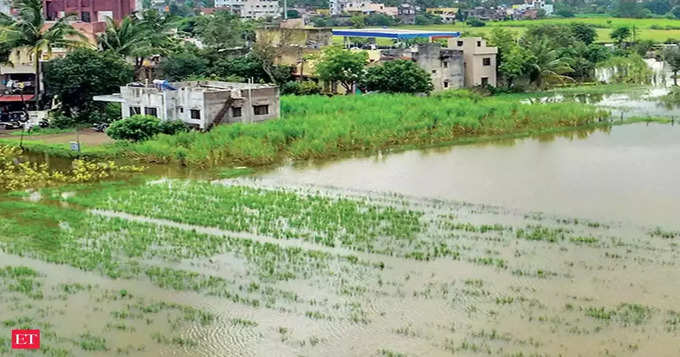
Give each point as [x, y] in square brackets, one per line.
[629, 173]
[621, 183]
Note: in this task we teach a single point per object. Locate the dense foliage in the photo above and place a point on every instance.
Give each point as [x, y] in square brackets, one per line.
[143, 127]
[82, 74]
[316, 126]
[398, 76]
[343, 66]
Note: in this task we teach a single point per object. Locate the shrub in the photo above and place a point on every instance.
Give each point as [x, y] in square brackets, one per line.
[300, 88]
[60, 120]
[135, 128]
[172, 127]
[475, 22]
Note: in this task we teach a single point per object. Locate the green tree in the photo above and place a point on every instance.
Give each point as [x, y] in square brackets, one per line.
[126, 38]
[658, 7]
[583, 32]
[395, 77]
[82, 74]
[676, 12]
[27, 31]
[181, 65]
[343, 66]
[223, 30]
[547, 65]
[358, 21]
[621, 34]
[515, 65]
[672, 57]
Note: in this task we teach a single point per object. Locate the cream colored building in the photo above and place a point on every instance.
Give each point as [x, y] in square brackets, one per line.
[479, 61]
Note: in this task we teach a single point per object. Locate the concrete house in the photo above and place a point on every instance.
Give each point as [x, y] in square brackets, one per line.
[445, 65]
[200, 104]
[479, 60]
[252, 9]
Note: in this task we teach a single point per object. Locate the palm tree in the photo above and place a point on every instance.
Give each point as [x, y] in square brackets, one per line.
[122, 38]
[138, 39]
[28, 31]
[548, 65]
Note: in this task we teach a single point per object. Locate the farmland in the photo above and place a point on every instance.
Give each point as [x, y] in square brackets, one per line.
[658, 30]
[308, 270]
[322, 127]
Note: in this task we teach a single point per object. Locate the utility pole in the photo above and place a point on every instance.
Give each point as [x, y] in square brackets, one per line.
[285, 9]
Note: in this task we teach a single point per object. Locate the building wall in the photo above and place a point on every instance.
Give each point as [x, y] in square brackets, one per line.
[252, 9]
[97, 10]
[295, 37]
[479, 60]
[445, 66]
[209, 104]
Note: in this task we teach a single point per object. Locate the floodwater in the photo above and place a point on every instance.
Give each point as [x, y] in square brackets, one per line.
[555, 245]
[629, 173]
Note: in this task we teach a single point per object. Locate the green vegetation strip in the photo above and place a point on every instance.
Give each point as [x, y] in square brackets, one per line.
[322, 127]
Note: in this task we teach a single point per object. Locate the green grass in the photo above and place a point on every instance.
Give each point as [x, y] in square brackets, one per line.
[322, 127]
[657, 29]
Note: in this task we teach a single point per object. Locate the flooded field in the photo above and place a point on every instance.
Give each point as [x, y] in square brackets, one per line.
[627, 173]
[250, 267]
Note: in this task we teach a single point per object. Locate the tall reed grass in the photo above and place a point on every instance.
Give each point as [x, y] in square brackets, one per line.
[320, 127]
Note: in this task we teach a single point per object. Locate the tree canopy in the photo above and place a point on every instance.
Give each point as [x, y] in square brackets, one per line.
[343, 66]
[79, 76]
[395, 77]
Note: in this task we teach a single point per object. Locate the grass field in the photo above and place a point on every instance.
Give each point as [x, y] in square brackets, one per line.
[658, 30]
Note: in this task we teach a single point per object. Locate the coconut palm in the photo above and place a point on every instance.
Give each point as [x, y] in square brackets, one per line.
[28, 32]
[548, 65]
[124, 38]
[137, 38]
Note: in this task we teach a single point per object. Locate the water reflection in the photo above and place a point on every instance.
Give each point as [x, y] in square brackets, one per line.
[624, 173]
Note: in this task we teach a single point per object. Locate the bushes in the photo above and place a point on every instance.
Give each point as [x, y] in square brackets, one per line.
[398, 76]
[320, 127]
[301, 88]
[142, 127]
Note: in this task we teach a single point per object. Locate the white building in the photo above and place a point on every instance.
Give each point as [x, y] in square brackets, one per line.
[366, 8]
[252, 9]
[201, 104]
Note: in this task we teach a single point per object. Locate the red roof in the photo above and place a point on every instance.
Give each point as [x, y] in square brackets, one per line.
[15, 98]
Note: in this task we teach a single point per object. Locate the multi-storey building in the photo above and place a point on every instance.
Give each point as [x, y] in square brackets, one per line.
[445, 66]
[479, 60]
[90, 10]
[252, 9]
[364, 7]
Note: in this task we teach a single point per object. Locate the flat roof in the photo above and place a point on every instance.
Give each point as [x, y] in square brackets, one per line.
[393, 33]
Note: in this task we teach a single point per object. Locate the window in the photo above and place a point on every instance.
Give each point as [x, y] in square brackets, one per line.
[236, 112]
[195, 114]
[135, 111]
[460, 43]
[446, 64]
[261, 109]
[85, 16]
[479, 43]
[434, 71]
[180, 109]
[486, 61]
[446, 84]
[485, 81]
[151, 111]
